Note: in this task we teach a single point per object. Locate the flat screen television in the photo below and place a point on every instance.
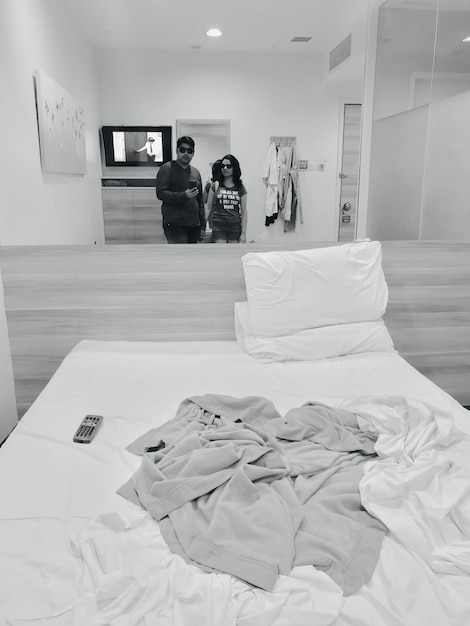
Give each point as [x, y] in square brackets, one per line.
[141, 146]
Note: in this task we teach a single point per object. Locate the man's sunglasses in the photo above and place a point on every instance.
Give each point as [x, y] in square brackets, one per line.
[183, 150]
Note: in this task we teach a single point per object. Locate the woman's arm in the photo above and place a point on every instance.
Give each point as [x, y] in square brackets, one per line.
[243, 215]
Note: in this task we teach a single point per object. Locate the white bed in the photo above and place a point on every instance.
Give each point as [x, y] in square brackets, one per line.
[73, 552]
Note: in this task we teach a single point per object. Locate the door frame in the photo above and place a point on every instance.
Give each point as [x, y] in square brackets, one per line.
[342, 103]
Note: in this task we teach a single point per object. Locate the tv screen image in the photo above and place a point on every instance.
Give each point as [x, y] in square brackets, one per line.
[136, 145]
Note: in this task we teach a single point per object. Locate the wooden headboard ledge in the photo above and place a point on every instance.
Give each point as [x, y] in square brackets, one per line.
[57, 296]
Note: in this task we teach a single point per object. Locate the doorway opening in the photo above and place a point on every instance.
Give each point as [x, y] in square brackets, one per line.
[348, 176]
[212, 139]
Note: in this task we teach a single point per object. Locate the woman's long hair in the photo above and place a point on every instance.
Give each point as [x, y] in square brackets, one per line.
[236, 170]
[216, 169]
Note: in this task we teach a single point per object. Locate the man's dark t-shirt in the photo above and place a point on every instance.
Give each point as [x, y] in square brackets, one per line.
[177, 208]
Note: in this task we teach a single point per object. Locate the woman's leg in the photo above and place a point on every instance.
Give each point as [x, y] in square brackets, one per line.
[219, 232]
[234, 233]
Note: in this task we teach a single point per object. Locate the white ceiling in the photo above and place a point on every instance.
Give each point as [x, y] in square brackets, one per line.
[247, 25]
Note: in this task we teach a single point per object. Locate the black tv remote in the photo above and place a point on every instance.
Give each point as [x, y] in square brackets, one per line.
[88, 428]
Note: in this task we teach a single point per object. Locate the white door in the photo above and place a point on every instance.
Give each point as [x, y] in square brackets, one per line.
[349, 171]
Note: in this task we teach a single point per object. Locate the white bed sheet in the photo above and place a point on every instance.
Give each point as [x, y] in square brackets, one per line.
[73, 552]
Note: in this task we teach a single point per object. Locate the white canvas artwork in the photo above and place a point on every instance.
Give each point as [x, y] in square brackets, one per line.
[61, 122]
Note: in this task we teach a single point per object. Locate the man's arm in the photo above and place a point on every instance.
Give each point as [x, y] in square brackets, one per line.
[200, 202]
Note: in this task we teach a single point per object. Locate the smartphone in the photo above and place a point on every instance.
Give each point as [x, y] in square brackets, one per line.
[192, 184]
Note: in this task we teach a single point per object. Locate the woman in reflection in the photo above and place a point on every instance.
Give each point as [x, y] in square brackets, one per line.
[226, 203]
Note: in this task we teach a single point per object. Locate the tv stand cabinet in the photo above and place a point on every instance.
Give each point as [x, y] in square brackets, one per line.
[132, 215]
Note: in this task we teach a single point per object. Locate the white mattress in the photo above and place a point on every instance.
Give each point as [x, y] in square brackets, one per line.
[73, 552]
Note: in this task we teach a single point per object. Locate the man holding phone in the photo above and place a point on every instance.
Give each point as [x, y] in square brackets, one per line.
[179, 187]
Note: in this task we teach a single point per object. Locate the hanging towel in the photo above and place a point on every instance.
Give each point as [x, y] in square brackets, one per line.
[270, 176]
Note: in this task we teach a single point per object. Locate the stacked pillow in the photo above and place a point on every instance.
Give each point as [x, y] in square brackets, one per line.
[314, 304]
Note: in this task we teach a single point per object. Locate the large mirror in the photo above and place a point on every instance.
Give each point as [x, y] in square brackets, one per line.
[280, 69]
[284, 70]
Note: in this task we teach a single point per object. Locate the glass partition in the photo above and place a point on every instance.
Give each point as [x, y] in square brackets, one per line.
[445, 211]
[402, 94]
[419, 181]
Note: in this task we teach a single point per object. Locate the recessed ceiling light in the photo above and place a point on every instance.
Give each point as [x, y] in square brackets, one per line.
[467, 39]
[300, 39]
[214, 32]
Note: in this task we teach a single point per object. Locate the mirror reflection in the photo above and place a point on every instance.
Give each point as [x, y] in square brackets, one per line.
[290, 70]
[132, 211]
[285, 69]
[265, 85]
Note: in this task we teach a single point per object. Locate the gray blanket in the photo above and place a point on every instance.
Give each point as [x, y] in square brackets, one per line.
[240, 489]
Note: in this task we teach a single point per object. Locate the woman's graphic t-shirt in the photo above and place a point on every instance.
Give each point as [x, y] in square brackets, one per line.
[227, 207]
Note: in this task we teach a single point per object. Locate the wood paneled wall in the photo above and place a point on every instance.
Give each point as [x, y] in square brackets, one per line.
[57, 296]
[132, 215]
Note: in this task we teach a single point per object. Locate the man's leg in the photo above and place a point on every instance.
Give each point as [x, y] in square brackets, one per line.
[175, 233]
[193, 234]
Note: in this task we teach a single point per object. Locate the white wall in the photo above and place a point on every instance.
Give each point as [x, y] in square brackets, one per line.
[262, 95]
[38, 208]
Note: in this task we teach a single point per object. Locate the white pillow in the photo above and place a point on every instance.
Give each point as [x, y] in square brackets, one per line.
[292, 291]
[312, 344]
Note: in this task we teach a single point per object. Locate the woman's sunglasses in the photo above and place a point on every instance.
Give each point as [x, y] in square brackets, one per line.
[226, 166]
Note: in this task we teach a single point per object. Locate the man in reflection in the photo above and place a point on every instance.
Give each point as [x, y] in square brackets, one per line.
[179, 187]
[149, 147]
